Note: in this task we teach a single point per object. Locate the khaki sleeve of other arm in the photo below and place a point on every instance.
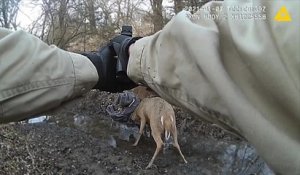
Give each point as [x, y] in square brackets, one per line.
[236, 63]
[35, 77]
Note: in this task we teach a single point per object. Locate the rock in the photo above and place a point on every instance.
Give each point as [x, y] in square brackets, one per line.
[112, 141]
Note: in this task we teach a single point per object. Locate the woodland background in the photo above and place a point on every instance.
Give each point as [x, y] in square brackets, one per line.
[80, 25]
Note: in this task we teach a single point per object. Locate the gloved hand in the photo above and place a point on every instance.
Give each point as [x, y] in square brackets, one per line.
[121, 46]
[105, 63]
[113, 71]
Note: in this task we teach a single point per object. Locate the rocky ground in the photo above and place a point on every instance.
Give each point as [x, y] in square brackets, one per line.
[79, 138]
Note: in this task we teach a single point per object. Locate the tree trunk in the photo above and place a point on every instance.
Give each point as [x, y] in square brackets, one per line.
[157, 16]
[91, 14]
[8, 13]
[62, 13]
[178, 6]
[4, 14]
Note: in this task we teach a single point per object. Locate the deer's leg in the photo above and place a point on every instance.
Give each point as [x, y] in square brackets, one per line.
[159, 143]
[176, 145]
[143, 123]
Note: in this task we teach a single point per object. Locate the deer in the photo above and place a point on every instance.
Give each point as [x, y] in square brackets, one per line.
[160, 115]
[143, 92]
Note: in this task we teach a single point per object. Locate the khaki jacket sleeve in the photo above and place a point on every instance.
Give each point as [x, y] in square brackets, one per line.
[35, 77]
[245, 69]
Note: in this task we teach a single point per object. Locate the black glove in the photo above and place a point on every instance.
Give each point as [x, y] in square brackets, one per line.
[105, 63]
[121, 46]
[113, 71]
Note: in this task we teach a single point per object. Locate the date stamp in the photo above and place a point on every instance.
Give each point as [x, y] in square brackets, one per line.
[235, 12]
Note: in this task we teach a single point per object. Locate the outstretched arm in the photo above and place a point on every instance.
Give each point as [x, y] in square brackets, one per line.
[35, 77]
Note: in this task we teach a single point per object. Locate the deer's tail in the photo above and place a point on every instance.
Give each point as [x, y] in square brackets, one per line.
[168, 125]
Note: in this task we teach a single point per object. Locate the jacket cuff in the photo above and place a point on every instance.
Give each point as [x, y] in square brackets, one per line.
[135, 63]
[85, 73]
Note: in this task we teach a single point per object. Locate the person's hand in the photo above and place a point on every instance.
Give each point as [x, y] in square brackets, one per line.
[106, 65]
[120, 45]
[111, 62]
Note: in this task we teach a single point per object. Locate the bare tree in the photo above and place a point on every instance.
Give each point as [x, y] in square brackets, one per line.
[157, 17]
[91, 14]
[8, 13]
[61, 22]
[86, 24]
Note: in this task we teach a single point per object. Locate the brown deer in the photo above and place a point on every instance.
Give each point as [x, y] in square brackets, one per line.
[143, 92]
[160, 115]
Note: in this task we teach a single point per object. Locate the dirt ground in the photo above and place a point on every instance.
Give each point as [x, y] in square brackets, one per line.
[80, 138]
